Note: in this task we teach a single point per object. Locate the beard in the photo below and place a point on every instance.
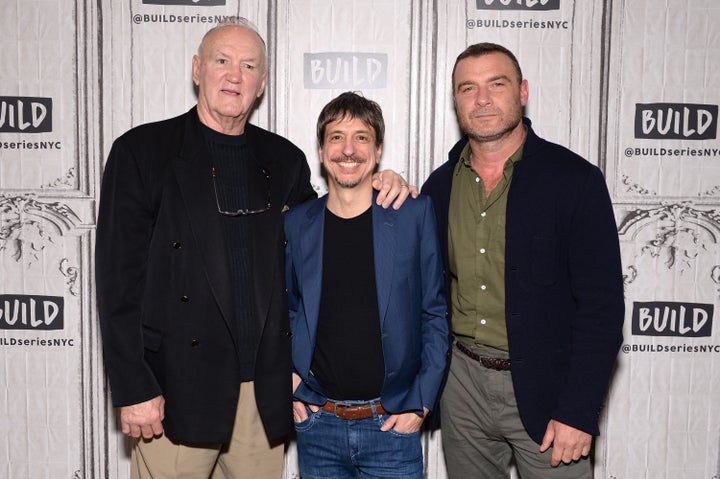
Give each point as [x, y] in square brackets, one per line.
[505, 124]
[347, 183]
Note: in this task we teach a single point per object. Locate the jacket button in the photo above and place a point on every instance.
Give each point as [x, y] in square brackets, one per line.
[289, 334]
[284, 242]
[194, 343]
[176, 245]
[184, 299]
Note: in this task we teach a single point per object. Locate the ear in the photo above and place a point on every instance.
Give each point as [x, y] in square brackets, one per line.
[524, 92]
[196, 70]
[261, 90]
[378, 155]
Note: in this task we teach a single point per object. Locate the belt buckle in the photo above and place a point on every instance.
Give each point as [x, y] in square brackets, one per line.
[342, 405]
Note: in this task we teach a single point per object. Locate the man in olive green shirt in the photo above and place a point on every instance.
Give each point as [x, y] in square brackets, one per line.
[533, 264]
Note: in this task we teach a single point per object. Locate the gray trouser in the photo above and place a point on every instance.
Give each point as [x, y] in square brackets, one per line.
[482, 431]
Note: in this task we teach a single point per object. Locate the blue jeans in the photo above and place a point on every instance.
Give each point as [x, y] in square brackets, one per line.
[333, 448]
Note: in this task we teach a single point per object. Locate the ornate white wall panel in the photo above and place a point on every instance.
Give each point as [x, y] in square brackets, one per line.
[664, 173]
[52, 405]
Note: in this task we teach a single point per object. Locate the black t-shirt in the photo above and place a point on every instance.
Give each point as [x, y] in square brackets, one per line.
[348, 358]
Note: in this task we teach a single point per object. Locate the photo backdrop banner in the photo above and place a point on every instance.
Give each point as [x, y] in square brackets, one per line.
[632, 85]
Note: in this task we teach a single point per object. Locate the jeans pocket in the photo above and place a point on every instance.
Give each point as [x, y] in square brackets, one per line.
[308, 423]
[381, 420]
[404, 434]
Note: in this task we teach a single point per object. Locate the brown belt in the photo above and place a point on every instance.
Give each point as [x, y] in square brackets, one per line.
[498, 364]
[352, 411]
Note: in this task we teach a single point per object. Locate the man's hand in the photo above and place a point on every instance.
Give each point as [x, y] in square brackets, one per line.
[392, 187]
[299, 412]
[404, 423]
[143, 419]
[569, 444]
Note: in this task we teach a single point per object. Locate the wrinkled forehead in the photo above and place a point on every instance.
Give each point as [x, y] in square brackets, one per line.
[235, 36]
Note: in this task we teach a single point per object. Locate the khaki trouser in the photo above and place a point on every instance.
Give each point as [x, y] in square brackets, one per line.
[248, 455]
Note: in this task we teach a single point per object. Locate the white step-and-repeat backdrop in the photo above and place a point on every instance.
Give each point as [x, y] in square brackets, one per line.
[633, 85]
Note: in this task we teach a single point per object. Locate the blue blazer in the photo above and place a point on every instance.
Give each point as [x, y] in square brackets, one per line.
[411, 300]
[564, 303]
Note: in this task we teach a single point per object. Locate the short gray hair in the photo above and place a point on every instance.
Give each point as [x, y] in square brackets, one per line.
[236, 21]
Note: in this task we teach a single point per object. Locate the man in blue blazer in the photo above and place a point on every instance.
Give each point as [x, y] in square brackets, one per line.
[531, 250]
[367, 311]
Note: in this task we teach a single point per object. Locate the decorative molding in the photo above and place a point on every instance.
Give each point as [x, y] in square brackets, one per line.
[67, 180]
[635, 187]
[714, 191]
[27, 225]
[630, 274]
[72, 273]
[681, 233]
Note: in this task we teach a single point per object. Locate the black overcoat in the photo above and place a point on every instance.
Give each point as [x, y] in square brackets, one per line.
[163, 280]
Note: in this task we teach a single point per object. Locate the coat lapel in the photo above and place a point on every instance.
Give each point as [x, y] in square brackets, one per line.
[384, 244]
[311, 263]
[267, 227]
[192, 170]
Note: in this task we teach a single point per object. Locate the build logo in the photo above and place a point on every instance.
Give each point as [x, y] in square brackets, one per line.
[24, 114]
[36, 313]
[685, 320]
[346, 70]
[517, 4]
[676, 121]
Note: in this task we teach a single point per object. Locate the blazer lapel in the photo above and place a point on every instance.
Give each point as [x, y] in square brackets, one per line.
[192, 170]
[311, 263]
[266, 227]
[384, 244]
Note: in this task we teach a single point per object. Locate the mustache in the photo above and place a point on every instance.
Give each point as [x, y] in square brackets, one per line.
[483, 111]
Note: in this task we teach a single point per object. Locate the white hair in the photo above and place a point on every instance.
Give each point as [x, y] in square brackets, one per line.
[236, 21]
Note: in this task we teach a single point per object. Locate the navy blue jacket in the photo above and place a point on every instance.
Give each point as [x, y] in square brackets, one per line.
[411, 300]
[564, 303]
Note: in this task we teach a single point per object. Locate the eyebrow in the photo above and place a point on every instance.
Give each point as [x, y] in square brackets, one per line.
[489, 80]
[245, 58]
[466, 82]
[499, 77]
[367, 131]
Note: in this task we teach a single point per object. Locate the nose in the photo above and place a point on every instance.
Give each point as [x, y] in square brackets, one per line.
[482, 98]
[348, 146]
[235, 74]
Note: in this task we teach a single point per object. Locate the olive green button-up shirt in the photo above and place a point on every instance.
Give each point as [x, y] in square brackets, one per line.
[476, 247]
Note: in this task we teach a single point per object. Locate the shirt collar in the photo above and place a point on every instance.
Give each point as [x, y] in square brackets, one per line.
[514, 158]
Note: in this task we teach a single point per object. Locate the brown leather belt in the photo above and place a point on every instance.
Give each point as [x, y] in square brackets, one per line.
[352, 411]
[498, 364]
